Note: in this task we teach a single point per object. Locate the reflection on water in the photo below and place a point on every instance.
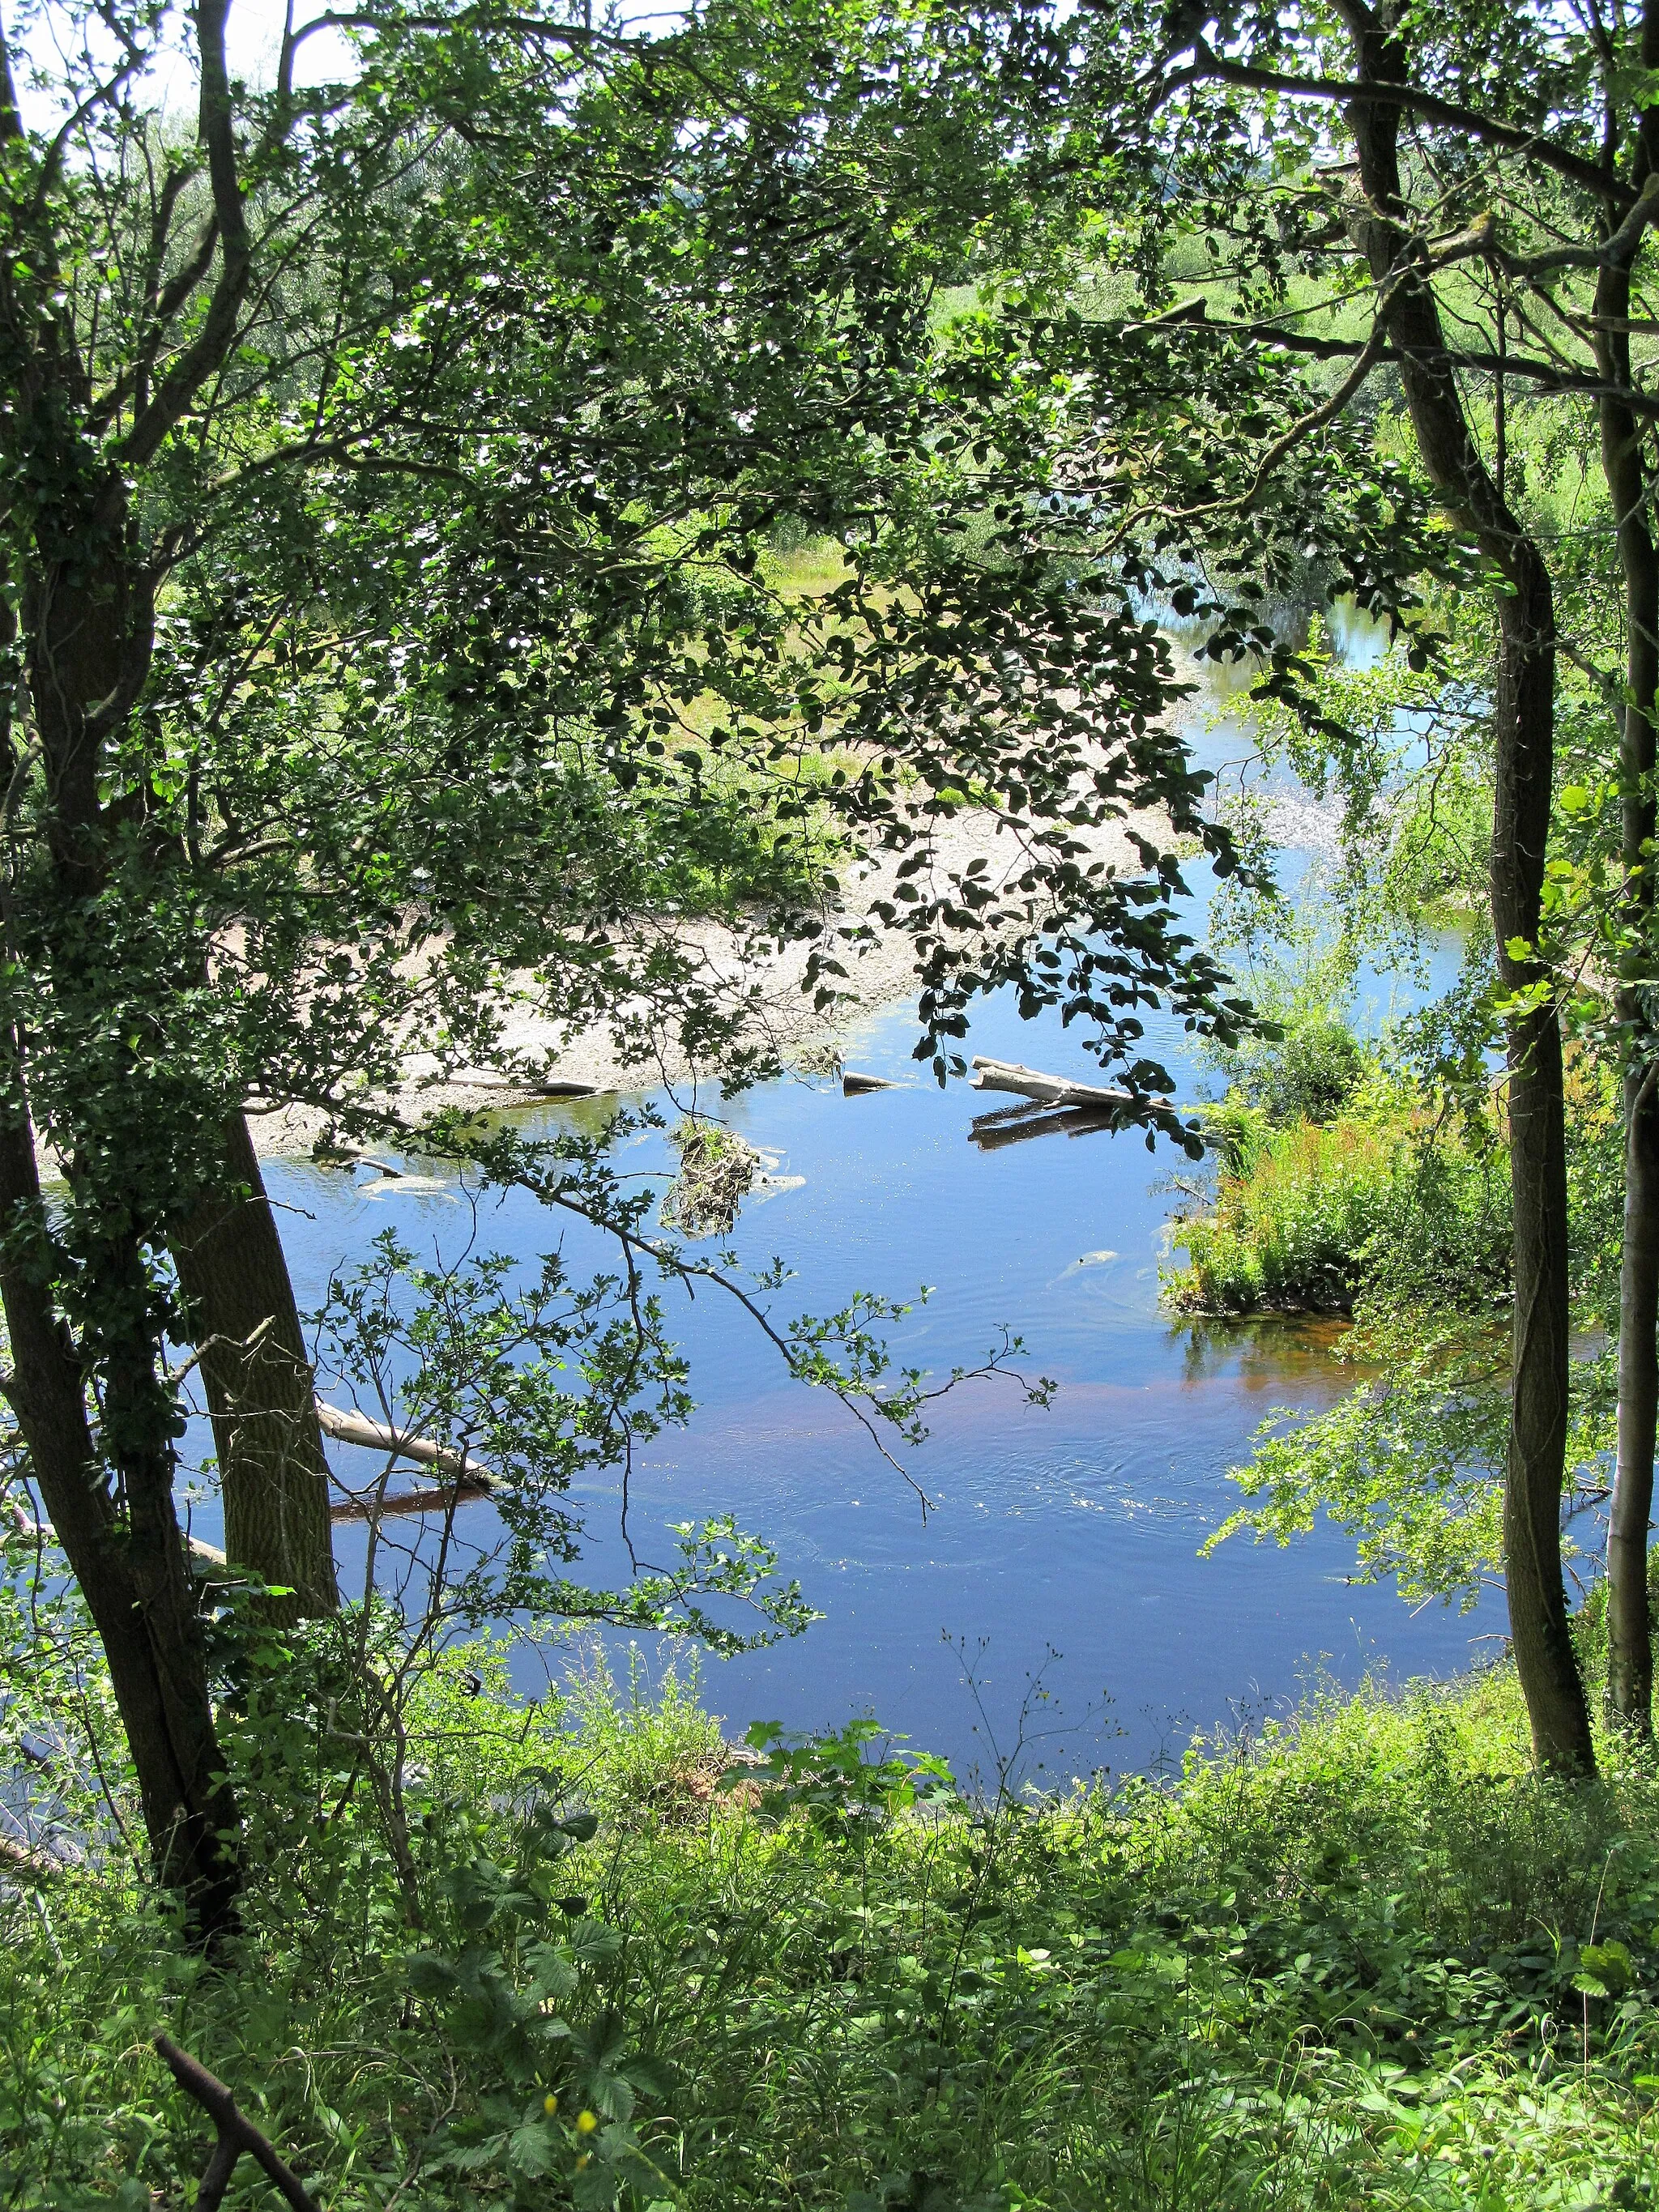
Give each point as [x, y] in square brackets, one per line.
[1263, 1351]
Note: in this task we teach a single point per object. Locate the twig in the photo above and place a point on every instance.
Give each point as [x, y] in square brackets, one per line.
[237, 2134]
[18, 1858]
[174, 1376]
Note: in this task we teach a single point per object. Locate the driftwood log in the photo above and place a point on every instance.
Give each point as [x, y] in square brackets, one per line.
[853, 1085]
[370, 1507]
[237, 2134]
[20, 1859]
[468, 1480]
[1052, 1090]
[42, 1532]
[355, 1428]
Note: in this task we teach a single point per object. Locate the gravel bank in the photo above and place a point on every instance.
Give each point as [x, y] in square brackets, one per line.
[782, 1014]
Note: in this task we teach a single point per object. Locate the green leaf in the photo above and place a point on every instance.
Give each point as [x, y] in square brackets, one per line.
[534, 2149]
[430, 1976]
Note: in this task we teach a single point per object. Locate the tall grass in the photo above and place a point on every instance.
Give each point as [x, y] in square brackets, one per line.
[1379, 1202]
[1296, 1213]
[1335, 1962]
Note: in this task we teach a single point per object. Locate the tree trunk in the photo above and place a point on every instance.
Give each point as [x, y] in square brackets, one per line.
[1629, 1631]
[272, 1472]
[90, 626]
[133, 1578]
[1630, 1637]
[1523, 719]
[1523, 730]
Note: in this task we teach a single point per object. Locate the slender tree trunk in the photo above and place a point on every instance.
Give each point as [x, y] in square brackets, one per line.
[134, 1577]
[1630, 1634]
[90, 625]
[1523, 728]
[1523, 714]
[1630, 1628]
[93, 634]
[272, 1472]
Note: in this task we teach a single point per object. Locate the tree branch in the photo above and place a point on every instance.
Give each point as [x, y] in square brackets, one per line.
[215, 129]
[1209, 66]
[1547, 374]
[237, 2134]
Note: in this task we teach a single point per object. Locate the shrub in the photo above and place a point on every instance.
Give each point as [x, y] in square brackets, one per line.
[1291, 1222]
[1364, 1957]
[1378, 1205]
[1310, 1075]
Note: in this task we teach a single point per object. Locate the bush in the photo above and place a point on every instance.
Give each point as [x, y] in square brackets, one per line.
[1378, 1204]
[1294, 1217]
[1310, 1075]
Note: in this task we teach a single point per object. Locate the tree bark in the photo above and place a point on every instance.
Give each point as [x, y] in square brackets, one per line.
[133, 1578]
[1523, 730]
[272, 1472]
[1630, 1628]
[1630, 1633]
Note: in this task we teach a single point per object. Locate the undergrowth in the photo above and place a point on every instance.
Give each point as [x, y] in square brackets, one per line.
[1309, 1216]
[1365, 1958]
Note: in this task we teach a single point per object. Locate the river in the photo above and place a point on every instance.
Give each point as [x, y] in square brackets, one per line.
[1059, 1571]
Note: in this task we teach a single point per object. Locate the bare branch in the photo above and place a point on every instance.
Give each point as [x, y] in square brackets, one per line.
[237, 2134]
[215, 130]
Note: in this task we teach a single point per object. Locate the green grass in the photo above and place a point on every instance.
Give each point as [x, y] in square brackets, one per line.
[1336, 1963]
[1316, 1216]
[1291, 1223]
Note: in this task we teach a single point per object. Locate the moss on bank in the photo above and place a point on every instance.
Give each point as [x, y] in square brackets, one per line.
[1363, 1958]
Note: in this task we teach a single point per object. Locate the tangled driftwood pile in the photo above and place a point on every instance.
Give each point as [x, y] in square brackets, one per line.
[718, 1169]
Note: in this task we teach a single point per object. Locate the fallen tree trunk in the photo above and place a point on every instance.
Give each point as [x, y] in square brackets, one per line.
[1051, 1089]
[470, 1480]
[17, 1858]
[42, 1532]
[355, 1428]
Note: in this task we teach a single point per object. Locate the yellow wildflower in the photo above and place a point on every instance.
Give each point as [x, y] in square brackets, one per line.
[550, 2104]
[586, 2123]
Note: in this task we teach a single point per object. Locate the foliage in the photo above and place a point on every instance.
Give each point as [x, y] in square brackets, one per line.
[1364, 1957]
[1309, 1077]
[1404, 1221]
[1297, 1211]
[1374, 1206]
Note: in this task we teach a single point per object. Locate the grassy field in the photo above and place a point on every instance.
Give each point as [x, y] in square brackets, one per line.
[1363, 1958]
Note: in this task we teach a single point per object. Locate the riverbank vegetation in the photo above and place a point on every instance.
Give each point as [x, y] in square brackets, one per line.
[1366, 1956]
[1327, 1212]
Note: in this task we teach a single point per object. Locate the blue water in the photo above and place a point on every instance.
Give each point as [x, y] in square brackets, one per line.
[1061, 1543]
[1057, 1570]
